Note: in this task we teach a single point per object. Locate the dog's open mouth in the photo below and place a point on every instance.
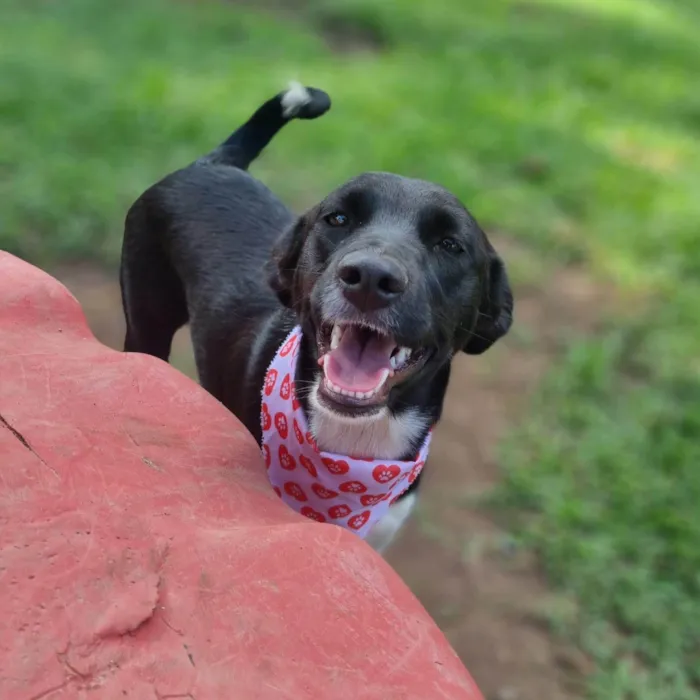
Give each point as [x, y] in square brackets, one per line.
[361, 364]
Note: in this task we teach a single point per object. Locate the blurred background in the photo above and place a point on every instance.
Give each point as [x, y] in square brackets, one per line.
[558, 540]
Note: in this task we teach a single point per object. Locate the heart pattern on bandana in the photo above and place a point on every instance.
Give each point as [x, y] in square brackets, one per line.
[323, 492]
[352, 492]
[286, 460]
[266, 417]
[270, 381]
[335, 466]
[308, 465]
[309, 512]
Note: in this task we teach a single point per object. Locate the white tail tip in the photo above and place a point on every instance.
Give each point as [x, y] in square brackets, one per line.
[294, 99]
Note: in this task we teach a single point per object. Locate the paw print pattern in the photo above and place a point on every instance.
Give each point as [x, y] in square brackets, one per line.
[270, 381]
[308, 465]
[281, 425]
[286, 460]
[340, 511]
[383, 473]
[289, 346]
[369, 500]
[357, 521]
[322, 492]
[415, 472]
[352, 487]
[286, 388]
[309, 512]
[297, 432]
[337, 467]
[266, 418]
[295, 491]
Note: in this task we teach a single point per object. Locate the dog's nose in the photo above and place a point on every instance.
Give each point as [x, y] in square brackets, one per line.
[370, 282]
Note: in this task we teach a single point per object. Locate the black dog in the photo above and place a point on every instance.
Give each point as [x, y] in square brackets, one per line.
[388, 277]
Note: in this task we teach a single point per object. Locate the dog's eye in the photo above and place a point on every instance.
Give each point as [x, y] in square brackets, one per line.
[451, 245]
[337, 219]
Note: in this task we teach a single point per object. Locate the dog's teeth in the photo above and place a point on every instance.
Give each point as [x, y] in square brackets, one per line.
[336, 335]
[362, 395]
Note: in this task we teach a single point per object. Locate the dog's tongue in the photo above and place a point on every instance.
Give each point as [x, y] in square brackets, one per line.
[361, 360]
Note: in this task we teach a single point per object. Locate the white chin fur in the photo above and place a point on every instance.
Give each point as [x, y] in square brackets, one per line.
[294, 99]
[379, 436]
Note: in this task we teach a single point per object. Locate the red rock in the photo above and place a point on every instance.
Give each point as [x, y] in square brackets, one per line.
[143, 553]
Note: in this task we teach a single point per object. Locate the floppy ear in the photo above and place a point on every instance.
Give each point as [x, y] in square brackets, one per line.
[286, 252]
[496, 308]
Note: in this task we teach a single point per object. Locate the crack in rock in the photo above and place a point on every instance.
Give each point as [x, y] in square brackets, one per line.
[26, 444]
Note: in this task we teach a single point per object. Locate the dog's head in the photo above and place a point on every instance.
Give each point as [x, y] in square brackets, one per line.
[392, 277]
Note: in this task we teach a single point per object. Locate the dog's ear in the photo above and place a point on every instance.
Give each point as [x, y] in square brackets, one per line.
[496, 309]
[286, 252]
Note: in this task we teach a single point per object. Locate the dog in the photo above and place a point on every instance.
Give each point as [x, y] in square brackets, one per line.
[387, 279]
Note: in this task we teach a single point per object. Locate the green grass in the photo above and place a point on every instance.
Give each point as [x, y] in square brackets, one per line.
[571, 124]
[563, 123]
[604, 483]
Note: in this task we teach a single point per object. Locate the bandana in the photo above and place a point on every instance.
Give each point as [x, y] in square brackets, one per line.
[352, 492]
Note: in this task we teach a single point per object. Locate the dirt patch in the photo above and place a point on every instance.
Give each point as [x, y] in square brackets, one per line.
[488, 601]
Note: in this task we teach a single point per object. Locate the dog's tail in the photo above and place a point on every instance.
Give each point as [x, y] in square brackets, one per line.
[245, 144]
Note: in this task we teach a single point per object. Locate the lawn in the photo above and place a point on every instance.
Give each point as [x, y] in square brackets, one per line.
[571, 125]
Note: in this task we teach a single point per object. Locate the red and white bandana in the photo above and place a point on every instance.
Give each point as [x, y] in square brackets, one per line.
[352, 492]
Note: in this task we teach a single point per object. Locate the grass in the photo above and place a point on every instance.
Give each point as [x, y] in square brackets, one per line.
[604, 483]
[571, 124]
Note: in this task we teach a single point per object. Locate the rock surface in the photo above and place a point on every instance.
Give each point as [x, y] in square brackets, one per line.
[143, 553]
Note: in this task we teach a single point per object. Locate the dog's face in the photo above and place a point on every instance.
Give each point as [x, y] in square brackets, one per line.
[392, 277]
